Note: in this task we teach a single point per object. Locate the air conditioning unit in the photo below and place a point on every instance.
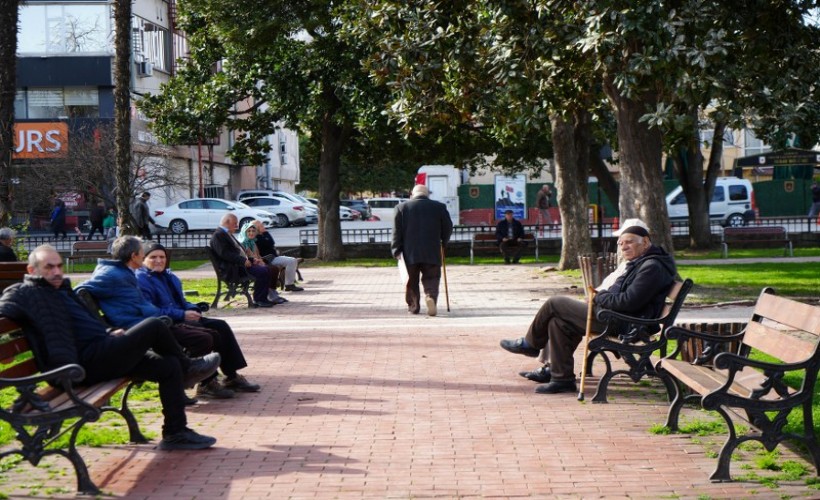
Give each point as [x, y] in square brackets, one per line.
[145, 68]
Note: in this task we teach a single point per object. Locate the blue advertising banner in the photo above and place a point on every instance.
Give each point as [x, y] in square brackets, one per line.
[511, 194]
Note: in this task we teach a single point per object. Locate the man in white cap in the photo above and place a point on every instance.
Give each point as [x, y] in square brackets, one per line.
[638, 287]
[420, 227]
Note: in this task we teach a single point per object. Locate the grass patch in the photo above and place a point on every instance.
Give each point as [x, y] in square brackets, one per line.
[733, 282]
[745, 253]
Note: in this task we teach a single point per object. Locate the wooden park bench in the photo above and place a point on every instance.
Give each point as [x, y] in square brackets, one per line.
[51, 404]
[11, 273]
[637, 346]
[596, 267]
[81, 250]
[727, 380]
[486, 241]
[232, 288]
[756, 236]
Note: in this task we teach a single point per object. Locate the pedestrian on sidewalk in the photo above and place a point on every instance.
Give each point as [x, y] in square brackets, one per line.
[421, 226]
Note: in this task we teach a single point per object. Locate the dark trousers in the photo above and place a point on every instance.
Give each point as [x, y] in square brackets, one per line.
[261, 282]
[559, 327]
[146, 351]
[430, 277]
[224, 342]
[145, 231]
[57, 228]
[96, 227]
[511, 249]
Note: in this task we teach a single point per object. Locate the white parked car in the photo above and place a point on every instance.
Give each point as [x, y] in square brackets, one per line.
[312, 209]
[205, 213]
[346, 213]
[287, 212]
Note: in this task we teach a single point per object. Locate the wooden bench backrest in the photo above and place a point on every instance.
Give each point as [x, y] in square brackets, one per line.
[12, 345]
[11, 272]
[783, 328]
[484, 237]
[594, 268]
[89, 246]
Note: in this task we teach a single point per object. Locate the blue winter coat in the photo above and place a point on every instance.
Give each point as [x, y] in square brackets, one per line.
[164, 290]
[115, 287]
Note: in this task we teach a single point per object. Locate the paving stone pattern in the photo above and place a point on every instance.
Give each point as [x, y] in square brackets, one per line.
[362, 400]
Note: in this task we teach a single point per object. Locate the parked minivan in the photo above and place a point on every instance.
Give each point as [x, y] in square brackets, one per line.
[383, 208]
[733, 202]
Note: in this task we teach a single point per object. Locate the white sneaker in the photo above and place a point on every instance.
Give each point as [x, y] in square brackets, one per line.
[431, 305]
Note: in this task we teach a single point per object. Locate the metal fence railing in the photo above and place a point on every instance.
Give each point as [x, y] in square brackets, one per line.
[793, 225]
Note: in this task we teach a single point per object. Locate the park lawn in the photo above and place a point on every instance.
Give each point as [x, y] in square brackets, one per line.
[741, 282]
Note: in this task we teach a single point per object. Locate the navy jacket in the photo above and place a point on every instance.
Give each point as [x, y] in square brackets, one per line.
[164, 290]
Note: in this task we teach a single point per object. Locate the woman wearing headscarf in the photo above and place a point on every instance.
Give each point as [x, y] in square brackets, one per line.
[247, 238]
[163, 289]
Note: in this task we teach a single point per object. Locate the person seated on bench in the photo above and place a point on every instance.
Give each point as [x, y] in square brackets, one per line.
[638, 289]
[247, 238]
[235, 263]
[114, 285]
[163, 289]
[62, 331]
[509, 234]
[267, 249]
[7, 254]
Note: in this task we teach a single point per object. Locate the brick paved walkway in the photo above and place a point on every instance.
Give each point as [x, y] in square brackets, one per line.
[361, 400]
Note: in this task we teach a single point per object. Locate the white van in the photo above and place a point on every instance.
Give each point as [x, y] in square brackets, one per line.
[383, 208]
[733, 203]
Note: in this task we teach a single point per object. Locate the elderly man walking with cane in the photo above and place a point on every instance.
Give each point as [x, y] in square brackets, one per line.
[420, 227]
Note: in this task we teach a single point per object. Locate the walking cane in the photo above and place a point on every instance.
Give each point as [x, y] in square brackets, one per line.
[444, 270]
[591, 295]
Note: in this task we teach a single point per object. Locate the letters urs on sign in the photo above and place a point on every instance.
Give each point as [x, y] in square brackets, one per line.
[40, 140]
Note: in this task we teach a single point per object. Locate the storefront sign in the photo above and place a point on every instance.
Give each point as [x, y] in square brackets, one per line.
[40, 140]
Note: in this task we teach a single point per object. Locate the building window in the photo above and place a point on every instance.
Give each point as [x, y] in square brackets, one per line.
[51, 103]
[152, 43]
[65, 29]
[752, 145]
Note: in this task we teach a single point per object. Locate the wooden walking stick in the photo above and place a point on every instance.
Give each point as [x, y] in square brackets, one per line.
[444, 271]
[588, 333]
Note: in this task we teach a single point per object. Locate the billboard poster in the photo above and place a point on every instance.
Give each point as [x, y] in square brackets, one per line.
[511, 194]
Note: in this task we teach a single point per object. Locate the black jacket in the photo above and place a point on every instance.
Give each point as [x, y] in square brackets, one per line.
[230, 256]
[420, 227]
[7, 254]
[265, 244]
[41, 311]
[644, 286]
[502, 229]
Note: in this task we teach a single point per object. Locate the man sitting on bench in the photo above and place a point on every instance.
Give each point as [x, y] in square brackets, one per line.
[509, 234]
[638, 289]
[233, 261]
[62, 331]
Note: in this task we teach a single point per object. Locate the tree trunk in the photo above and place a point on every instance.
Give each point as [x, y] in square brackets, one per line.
[640, 151]
[599, 169]
[571, 145]
[333, 139]
[697, 188]
[122, 114]
[9, 13]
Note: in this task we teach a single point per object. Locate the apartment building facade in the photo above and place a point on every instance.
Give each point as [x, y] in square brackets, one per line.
[65, 94]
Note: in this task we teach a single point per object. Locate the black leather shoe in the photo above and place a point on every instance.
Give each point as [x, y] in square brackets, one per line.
[293, 288]
[557, 386]
[540, 375]
[263, 303]
[517, 346]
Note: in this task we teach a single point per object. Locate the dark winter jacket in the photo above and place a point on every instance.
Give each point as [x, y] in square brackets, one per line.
[164, 290]
[420, 227]
[502, 230]
[115, 287]
[643, 287]
[45, 319]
